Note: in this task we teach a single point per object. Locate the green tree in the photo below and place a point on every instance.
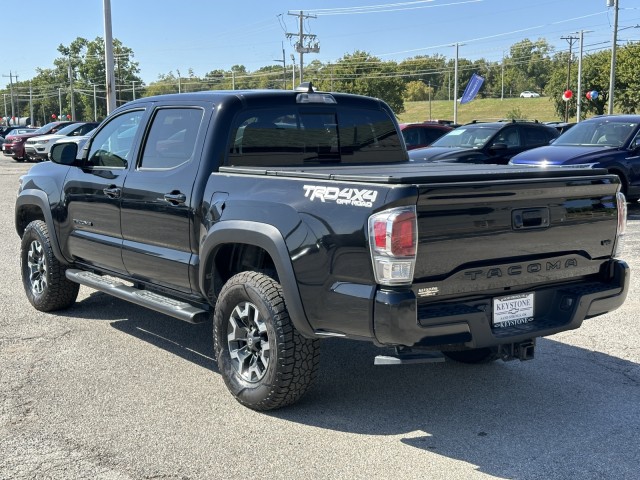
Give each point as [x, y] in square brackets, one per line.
[166, 83]
[595, 76]
[530, 64]
[81, 68]
[627, 92]
[364, 74]
[417, 91]
[430, 70]
[557, 85]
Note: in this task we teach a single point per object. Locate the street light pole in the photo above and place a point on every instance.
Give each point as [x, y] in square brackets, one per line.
[455, 87]
[612, 73]
[579, 98]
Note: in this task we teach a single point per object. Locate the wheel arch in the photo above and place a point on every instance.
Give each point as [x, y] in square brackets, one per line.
[245, 239]
[624, 178]
[34, 205]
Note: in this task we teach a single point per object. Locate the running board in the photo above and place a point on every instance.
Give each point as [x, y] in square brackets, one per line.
[406, 357]
[169, 306]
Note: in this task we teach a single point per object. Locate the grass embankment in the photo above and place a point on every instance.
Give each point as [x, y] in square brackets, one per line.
[486, 109]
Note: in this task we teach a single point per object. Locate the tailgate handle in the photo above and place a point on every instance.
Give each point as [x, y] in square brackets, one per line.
[525, 218]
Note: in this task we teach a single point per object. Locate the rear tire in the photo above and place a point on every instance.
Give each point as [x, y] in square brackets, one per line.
[265, 363]
[473, 355]
[43, 276]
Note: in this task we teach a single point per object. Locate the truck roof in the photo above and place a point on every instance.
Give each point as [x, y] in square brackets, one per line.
[253, 98]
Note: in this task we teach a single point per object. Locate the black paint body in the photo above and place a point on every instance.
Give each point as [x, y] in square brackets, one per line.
[477, 231]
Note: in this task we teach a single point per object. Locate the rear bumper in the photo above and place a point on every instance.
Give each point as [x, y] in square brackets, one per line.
[400, 320]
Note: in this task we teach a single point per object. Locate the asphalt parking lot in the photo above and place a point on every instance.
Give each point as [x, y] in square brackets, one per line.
[109, 390]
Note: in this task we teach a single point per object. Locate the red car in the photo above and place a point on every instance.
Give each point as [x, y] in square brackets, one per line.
[13, 145]
[418, 135]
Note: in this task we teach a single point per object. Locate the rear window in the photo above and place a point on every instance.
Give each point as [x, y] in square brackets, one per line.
[306, 136]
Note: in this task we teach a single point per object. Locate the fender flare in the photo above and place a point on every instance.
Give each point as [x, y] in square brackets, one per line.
[41, 200]
[270, 239]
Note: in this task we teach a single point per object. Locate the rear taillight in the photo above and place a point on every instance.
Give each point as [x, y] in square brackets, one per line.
[622, 224]
[393, 241]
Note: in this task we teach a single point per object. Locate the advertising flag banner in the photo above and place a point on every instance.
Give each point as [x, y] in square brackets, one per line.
[475, 82]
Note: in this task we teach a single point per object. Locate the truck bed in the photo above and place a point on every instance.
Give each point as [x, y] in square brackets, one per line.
[412, 173]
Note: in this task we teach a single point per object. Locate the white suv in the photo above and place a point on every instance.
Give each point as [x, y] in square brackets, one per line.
[38, 147]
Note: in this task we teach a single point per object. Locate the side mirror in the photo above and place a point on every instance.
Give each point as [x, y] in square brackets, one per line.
[636, 143]
[64, 153]
[496, 147]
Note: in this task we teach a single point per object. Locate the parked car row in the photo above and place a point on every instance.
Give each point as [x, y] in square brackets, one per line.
[611, 142]
[34, 144]
[490, 142]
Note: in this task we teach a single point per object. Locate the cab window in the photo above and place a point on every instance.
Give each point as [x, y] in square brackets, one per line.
[172, 137]
[307, 136]
[111, 146]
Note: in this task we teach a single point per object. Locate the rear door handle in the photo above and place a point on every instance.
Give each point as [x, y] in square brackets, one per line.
[112, 191]
[175, 198]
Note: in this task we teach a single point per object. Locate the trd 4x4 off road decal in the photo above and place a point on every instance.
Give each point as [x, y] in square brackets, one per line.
[342, 196]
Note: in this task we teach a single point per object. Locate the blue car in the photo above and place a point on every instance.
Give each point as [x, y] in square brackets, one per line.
[608, 141]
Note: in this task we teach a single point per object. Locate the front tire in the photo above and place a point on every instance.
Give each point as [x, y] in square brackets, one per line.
[43, 276]
[265, 363]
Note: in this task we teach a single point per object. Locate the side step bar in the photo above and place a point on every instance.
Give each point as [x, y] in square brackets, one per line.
[405, 356]
[174, 308]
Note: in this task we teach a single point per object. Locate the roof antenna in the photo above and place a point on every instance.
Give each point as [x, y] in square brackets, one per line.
[305, 87]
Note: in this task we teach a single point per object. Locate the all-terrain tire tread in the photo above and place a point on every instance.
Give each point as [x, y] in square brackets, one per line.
[60, 292]
[298, 357]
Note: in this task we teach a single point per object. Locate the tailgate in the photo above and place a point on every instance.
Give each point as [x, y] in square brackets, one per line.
[494, 236]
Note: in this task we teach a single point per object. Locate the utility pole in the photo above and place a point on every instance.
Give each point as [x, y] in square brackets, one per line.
[614, 45]
[108, 58]
[60, 102]
[17, 100]
[32, 120]
[571, 39]
[133, 83]
[11, 92]
[455, 87]
[579, 96]
[502, 76]
[293, 72]
[4, 96]
[303, 47]
[429, 100]
[73, 105]
[180, 84]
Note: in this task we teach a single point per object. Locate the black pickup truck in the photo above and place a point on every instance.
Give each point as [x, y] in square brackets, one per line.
[292, 216]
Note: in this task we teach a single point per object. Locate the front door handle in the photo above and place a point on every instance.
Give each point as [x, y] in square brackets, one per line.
[112, 191]
[175, 198]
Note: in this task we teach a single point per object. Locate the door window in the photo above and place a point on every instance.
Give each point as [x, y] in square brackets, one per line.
[172, 138]
[112, 145]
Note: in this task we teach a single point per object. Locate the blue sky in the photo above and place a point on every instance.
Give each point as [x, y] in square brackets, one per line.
[207, 34]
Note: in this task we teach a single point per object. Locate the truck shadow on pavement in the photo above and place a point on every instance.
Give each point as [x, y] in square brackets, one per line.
[188, 341]
[570, 413]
